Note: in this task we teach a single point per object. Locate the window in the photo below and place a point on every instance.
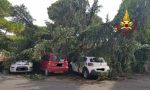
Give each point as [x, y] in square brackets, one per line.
[101, 60]
[54, 58]
[60, 58]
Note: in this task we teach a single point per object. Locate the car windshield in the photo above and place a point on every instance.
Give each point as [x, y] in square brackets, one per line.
[101, 60]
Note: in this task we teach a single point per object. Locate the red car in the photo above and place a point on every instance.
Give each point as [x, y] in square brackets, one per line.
[54, 64]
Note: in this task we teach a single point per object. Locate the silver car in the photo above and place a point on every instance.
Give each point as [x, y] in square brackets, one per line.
[21, 66]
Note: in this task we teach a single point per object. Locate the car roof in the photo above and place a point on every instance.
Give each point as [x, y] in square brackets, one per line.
[89, 57]
[92, 57]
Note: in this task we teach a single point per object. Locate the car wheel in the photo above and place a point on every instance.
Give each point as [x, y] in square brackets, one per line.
[46, 72]
[86, 74]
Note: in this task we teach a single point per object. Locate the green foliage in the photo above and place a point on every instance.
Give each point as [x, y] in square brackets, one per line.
[14, 27]
[71, 18]
[101, 40]
[103, 76]
[122, 48]
[77, 31]
[11, 45]
[62, 39]
[8, 26]
[40, 49]
[20, 14]
[147, 36]
[35, 77]
[74, 13]
[4, 8]
[26, 54]
[11, 26]
[142, 55]
[4, 24]
[68, 12]
[9, 58]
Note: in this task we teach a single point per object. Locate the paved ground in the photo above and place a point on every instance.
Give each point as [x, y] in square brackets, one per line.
[61, 82]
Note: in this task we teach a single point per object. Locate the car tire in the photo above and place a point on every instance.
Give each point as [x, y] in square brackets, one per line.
[86, 74]
[46, 72]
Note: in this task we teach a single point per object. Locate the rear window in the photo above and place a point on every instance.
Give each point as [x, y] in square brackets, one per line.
[101, 60]
[54, 58]
[57, 58]
[61, 58]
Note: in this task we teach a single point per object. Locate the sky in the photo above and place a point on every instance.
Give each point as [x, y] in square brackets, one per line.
[38, 9]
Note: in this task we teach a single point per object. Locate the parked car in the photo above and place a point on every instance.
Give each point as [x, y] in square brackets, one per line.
[21, 66]
[90, 66]
[53, 64]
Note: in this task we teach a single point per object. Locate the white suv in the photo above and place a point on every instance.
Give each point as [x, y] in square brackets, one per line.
[90, 66]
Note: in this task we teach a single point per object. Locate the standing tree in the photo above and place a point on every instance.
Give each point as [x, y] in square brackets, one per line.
[73, 16]
[20, 14]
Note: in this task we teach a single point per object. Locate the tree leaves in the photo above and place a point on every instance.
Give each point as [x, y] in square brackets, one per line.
[4, 8]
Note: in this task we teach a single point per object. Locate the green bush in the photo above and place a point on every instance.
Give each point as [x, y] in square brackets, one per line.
[35, 77]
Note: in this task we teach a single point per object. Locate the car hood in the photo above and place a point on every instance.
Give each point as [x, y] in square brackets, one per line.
[20, 63]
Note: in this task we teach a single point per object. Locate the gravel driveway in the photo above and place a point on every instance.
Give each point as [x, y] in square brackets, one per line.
[17, 82]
